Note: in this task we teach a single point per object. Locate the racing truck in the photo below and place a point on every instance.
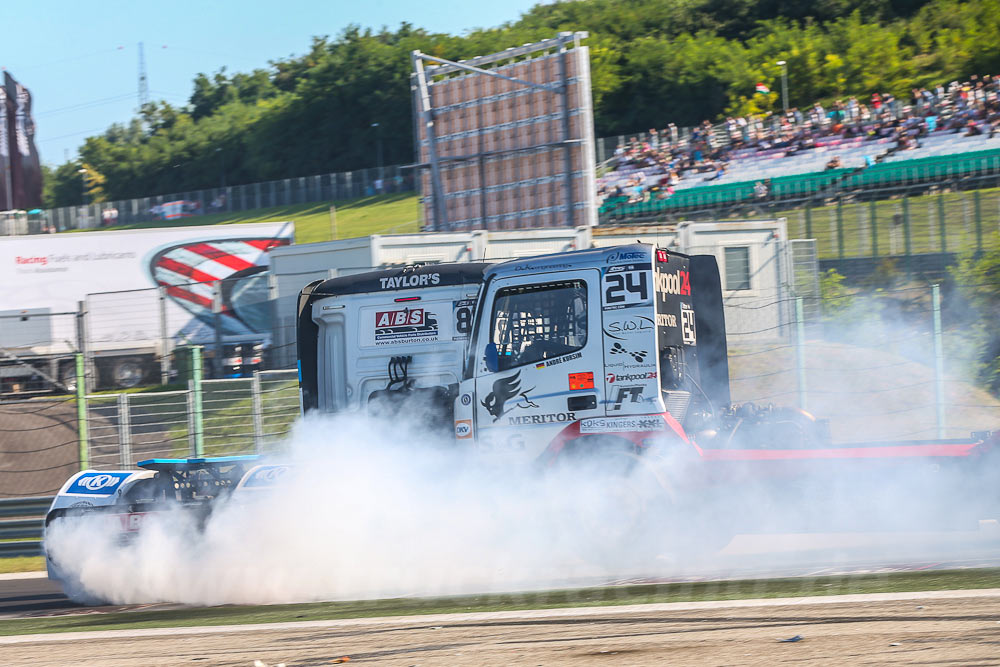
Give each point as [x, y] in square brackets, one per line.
[617, 356]
[613, 356]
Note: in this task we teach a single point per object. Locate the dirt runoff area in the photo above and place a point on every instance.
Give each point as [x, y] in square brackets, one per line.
[929, 630]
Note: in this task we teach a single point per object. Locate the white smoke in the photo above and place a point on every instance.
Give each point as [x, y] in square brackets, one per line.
[375, 508]
[367, 510]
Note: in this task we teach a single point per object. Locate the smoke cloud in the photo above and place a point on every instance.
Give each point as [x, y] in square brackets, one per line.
[376, 508]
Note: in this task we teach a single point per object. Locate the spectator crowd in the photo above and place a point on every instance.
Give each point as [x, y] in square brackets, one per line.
[651, 166]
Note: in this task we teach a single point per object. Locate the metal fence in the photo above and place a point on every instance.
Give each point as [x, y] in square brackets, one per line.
[230, 199]
[949, 216]
[21, 521]
[42, 442]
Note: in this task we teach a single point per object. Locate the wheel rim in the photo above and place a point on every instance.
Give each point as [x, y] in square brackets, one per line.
[128, 374]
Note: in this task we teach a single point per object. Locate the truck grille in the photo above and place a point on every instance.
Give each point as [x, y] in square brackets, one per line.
[677, 403]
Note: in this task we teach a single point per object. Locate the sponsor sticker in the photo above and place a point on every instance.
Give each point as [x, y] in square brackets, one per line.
[407, 325]
[131, 523]
[666, 320]
[395, 282]
[98, 483]
[688, 333]
[559, 360]
[622, 424]
[638, 355]
[630, 377]
[631, 394]
[578, 381]
[678, 283]
[466, 399]
[526, 420]
[463, 312]
[399, 318]
[626, 286]
[621, 329]
[463, 428]
[627, 256]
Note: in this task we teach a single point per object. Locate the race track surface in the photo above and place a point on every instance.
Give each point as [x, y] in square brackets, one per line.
[946, 628]
[746, 557]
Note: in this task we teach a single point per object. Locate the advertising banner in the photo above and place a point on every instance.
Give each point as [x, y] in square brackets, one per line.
[118, 272]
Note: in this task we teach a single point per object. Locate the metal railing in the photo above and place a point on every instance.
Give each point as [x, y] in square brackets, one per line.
[230, 199]
[22, 535]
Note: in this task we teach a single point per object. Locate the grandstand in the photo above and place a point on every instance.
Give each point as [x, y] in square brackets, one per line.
[939, 136]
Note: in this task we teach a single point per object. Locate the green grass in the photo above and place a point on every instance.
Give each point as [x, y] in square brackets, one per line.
[584, 597]
[22, 564]
[398, 213]
[382, 214]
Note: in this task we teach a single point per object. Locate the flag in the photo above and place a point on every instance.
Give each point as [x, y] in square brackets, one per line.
[763, 89]
[24, 171]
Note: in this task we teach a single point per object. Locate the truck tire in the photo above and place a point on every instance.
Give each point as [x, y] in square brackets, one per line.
[127, 372]
[644, 524]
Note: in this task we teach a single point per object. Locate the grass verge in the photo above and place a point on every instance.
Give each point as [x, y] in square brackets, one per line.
[22, 564]
[583, 597]
[383, 214]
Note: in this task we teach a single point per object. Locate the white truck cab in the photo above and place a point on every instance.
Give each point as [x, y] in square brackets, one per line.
[522, 358]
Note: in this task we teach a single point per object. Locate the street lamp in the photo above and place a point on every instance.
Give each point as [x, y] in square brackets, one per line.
[784, 85]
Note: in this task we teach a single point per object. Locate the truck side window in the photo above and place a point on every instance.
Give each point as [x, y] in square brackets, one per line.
[536, 322]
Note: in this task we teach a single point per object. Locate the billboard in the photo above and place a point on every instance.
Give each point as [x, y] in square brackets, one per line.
[122, 275]
[21, 185]
[506, 141]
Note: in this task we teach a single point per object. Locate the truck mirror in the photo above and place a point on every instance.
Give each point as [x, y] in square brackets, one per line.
[492, 358]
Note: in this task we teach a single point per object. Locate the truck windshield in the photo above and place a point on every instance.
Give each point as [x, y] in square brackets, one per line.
[536, 322]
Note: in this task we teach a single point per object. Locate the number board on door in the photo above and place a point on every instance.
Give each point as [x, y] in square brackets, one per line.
[627, 285]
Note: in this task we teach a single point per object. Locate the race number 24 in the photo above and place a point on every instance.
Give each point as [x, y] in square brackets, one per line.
[626, 288]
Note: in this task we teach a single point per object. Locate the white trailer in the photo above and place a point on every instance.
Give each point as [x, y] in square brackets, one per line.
[294, 267]
[127, 297]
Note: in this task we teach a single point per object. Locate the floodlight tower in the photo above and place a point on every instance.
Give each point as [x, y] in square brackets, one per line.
[143, 80]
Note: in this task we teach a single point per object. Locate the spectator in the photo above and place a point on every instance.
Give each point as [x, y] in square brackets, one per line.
[653, 168]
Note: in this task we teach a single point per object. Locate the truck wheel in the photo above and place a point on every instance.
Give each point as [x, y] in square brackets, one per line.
[71, 586]
[127, 372]
[614, 505]
[631, 516]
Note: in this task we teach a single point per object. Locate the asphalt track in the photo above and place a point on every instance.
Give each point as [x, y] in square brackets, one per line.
[943, 628]
[746, 557]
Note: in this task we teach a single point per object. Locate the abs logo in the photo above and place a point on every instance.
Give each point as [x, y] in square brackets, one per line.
[103, 484]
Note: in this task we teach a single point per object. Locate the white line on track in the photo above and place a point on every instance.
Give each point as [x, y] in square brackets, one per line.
[527, 614]
[22, 575]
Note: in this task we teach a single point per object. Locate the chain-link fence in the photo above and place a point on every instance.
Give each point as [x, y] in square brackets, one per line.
[869, 364]
[42, 444]
[230, 199]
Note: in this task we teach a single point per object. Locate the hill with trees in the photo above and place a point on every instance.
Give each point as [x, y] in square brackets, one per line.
[653, 62]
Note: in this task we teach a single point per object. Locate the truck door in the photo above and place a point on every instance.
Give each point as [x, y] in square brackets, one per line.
[539, 360]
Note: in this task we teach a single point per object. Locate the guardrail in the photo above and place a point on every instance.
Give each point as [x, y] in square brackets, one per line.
[22, 534]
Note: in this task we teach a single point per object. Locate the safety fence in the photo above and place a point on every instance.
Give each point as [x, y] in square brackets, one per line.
[44, 441]
[888, 365]
[21, 523]
[227, 199]
[904, 220]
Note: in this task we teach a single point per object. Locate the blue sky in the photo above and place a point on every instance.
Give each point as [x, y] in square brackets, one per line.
[80, 59]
